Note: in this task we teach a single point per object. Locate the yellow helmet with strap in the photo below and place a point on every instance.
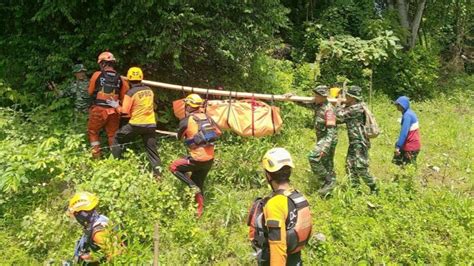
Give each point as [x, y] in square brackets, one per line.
[135, 74]
[276, 158]
[194, 100]
[82, 201]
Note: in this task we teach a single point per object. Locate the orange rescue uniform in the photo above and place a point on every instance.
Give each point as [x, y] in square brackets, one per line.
[104, 85]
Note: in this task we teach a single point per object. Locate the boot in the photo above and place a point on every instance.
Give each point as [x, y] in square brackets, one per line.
[374, 189]
[199, 198]
[96, 152]
[327, 188]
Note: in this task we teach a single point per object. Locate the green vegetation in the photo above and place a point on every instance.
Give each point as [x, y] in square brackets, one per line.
[422, 216]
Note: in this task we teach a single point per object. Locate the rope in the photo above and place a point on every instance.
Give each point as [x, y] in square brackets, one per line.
[207, 99]
[228, 109]
[271, 113]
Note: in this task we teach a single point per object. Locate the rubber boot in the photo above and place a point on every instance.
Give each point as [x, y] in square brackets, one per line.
[199, 198]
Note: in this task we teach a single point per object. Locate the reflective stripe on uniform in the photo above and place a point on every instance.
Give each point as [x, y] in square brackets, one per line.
[95, 143]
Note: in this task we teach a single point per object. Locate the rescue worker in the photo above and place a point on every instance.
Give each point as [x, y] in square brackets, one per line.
[199, 132]
[138, 105]
[83, 207]
[408, 145]
[286, 217]
[321, 158]
[105, 84]
[357, 159]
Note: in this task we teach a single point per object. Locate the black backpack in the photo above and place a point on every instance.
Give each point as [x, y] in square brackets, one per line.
[110, 81]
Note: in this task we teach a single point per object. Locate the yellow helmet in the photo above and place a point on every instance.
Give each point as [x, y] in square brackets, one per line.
[193, 100]
[135, 74]
[82, 201]
[276, 158]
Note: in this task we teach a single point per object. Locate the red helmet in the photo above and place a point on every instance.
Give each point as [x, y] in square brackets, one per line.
[106, 56]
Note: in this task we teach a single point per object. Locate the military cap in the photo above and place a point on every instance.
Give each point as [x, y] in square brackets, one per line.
[78, 68]
[321, 90]
[355, 92]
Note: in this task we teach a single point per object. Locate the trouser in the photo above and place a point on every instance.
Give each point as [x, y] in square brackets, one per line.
[357, 164]
[322, 163]
[405, 157]
[292, 260]
[101, 117]
[128, 132]
[199, 170]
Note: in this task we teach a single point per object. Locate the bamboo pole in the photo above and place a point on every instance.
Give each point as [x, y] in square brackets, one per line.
[169, 133]
[234, 94]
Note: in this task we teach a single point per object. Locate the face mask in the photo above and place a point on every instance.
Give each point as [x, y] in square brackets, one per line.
[83, 217]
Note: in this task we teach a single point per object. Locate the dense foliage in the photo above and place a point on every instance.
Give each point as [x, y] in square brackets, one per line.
[422, 216]
[216, 42]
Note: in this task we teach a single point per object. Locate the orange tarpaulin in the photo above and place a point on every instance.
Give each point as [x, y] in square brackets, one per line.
[244, 117]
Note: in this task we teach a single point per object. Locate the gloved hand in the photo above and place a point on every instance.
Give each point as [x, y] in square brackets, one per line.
[112, 103]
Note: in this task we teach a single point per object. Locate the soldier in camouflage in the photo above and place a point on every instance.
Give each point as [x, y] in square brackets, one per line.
[357, 160]
[78, 89]
[321, 158]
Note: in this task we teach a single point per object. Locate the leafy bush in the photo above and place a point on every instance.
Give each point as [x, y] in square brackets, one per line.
[421, 216]
[415, 74]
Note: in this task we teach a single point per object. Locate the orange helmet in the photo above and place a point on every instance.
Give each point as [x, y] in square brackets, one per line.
[105, 56]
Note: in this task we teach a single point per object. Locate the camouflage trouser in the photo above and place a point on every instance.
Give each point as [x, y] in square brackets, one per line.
[357, 165]
[323, 166]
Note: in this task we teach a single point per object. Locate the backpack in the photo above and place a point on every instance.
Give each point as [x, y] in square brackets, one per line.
[298, 224]
[371, 127]
[206, 134]
[110, 81]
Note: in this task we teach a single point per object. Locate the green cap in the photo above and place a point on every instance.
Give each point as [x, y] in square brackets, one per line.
[78, 68]
[355, 92]
[321, 90]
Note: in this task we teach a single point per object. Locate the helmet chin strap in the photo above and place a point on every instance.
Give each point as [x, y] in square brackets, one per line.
[269, 180]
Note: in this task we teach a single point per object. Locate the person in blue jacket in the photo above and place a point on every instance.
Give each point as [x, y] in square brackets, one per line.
[408, 144]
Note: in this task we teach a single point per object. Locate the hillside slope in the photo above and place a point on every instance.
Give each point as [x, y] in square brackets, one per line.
[421, 216]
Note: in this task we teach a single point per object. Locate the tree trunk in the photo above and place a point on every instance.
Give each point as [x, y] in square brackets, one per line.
[456, 63]
[403, 17]
[416, 23]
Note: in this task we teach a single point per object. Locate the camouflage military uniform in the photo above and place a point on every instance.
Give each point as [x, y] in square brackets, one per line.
[357, 159]
[321, 158]
[78, 91]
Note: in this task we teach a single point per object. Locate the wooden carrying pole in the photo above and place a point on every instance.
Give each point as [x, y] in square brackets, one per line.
[234, 94]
